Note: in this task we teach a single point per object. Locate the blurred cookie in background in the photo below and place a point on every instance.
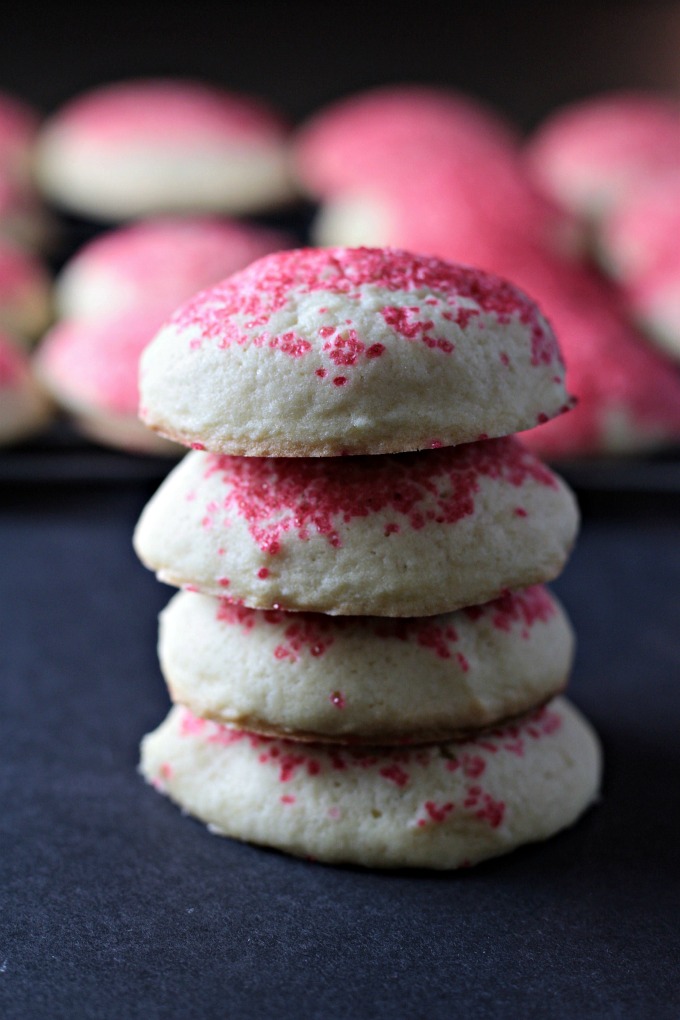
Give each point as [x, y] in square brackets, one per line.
[627, 393]
[25, 293]
[639, 245]
[90, 369]
[24, 408]
[151, 146]
[591, 154]
[162, 261]
[395, 130]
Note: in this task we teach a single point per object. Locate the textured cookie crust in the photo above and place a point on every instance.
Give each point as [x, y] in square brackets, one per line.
[139, 148]
[445, 806]
[406, 535]
[320, 352]
[364, 679]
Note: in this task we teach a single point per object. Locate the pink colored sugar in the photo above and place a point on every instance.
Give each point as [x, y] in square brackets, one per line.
[174, 112]
[314, 633]
[239, 311]
[282, 498]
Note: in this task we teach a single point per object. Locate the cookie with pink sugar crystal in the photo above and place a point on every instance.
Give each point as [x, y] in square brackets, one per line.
[364, 679]
[592, 154]
[90, 367]
[24, 407]
[400, 535]
[627, 392]
[443, 806]
[160, 262]
[321, 352]
[137, 148]
[394, 132]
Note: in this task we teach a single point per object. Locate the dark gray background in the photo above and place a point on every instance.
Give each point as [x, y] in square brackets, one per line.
[524, 57]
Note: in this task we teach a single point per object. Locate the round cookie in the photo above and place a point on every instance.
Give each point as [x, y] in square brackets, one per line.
[90, 368]
[408, 535]
[137, 148]
[364, 680]
[25, 293]
[627, 393]
[448, 211]
[24, 408]
[321, 352]
[444, 806]
[162, 262]
[395, 131]
[591, 154]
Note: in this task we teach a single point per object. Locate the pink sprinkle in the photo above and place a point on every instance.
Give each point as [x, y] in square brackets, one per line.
[375, 350]
[340, 380]
[289, 764]
[395, 774]
[438, 814]
[287, 799]
[197, 446]
[166, 770]
[520, 511]
[321, 372]
[223, 582]
[391, 529]
[492, 812]
[473, 765]
[263, 572]
[191, 725]
[338, 699]
[462, 662]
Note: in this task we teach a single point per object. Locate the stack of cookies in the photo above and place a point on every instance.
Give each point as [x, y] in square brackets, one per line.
[364, 661]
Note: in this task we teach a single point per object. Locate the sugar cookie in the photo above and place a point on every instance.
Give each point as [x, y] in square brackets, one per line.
[320, 352]
[137, 148]
[403, 535]
[364, 679]
[444, 806]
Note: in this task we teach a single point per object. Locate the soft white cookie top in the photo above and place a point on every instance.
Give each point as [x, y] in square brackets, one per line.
[320, 352]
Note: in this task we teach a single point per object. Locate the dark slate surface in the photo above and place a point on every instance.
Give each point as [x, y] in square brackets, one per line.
[115, 905]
